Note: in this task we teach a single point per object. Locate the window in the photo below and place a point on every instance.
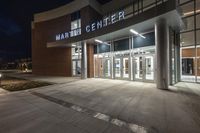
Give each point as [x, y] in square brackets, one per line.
[148, 3]
[198, 36]
[141, 42]
[129, 11]
[188, 9]
[121, 45]
[198, 63]
[103, 48]
[189, 23]
[198, 21]
[183, 1]
[76, 24]
[187, 39]
[76, 15]
[188, 64]
[135, 8]
[197, 6]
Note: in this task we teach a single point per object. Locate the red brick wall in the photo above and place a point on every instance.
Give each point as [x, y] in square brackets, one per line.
[50, 61]
[57, 61]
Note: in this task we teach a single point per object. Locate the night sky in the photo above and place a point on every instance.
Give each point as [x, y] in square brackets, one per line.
[15, 25]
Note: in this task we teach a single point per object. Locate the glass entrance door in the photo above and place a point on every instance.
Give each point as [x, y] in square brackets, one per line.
[144, 67]
[121, 67]
[107, 68]
[117, 68]
[138, 67]
[76, 66]
[125, 68]
[149, 68]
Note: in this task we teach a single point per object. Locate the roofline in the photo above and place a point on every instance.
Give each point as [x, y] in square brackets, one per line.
[66, 9]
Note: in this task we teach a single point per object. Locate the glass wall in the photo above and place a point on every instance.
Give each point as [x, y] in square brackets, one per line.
[190, 40]
[139, 6]
[76, 59]
[75, 24]
[198, 38]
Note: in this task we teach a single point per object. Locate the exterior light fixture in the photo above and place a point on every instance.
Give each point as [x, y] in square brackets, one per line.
[0, 75]
[142, 36]
[136, 33]
[99, 41]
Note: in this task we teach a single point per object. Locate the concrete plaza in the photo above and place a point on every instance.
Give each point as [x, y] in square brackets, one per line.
[102, 106]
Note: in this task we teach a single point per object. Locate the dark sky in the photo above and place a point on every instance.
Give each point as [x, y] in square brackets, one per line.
[15, 25]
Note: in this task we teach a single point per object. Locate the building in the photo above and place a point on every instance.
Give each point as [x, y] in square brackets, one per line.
[140, 40]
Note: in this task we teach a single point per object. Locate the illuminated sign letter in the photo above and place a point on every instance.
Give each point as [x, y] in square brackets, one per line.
[71, 33]
[66, 35]
[93, 27]
[79, 31]
[106, 21]
[99, 24]
[121, 15]
[62, 36]
[113, 17]
[58, 37]
[87, 28]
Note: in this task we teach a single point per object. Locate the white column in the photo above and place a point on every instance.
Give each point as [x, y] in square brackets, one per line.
[130, 59]
[162, 53]
[84, 61]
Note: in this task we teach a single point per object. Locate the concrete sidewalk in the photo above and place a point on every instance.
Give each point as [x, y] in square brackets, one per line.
[101, 106]
[2, 91]
[50, 79]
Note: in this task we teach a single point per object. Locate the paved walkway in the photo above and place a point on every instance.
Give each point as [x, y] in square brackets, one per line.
[2, 91]
[101, 106]
[51, 79]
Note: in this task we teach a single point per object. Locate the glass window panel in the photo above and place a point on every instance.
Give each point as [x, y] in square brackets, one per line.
[188, 9]
[183, 1]
[75, 24]
[198, 50]
[189, 23]
[141, 42]
[198, 36]
[197, 6]
[198, 63]
[121, 45]
[148, 2]
[135, 7]
[76, 15]
[198, 21]
[128, 11]
[187, 39]
[103, 48]
[188, 64]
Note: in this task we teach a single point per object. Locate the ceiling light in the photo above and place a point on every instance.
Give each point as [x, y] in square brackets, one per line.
[99, 41]
[134, 32]
[142, 36]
